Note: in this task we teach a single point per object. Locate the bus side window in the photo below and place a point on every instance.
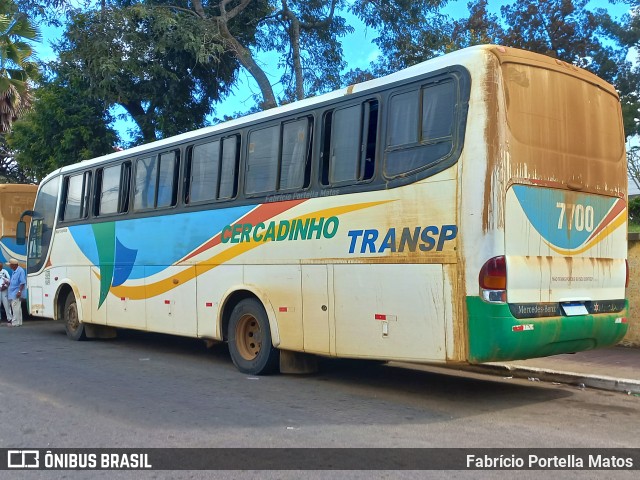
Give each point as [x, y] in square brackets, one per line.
[167, 180]
[77, 197]
[156, 184]
[108, 190]
[295, 154]
[230, 158]
[74, 185]
[112, 189]
[262, 160]
[203, 165]
[420, 127]
[146, 183]
[125, 187]
[212, 170]
[86, 195]
[369, 141]
[349, 144]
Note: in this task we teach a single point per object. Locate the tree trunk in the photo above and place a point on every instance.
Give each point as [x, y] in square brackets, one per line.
[294, 33]
[245, 58]
[142, 119]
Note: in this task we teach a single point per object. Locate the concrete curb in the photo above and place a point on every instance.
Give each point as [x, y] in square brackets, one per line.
[601, 382]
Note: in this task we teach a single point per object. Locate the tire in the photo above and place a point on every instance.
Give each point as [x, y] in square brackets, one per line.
[250, 342]
[72, 324]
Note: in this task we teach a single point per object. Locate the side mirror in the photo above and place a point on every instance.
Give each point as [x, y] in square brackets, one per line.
[21, 232]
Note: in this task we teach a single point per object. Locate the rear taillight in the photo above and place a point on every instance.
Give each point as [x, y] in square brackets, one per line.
[493, 280]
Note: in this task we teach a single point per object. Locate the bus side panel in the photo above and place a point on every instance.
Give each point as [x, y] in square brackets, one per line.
[173, 311]
[315, 309]
[213, 283]
[99, 314]
[126, 310]
[379, 314]
[456, 325]
[281, 285]
[80, 278]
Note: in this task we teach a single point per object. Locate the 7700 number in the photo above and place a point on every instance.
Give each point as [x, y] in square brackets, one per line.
[575, 216]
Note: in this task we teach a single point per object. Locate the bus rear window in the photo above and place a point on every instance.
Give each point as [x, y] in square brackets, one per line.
[558, 112]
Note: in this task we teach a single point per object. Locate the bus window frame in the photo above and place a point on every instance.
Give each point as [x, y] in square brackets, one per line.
[188, 163]
[85, 196]
[314, 183]
[175, 184]
[461, 83]
[124, 190]
[324, 167]
[279, 123]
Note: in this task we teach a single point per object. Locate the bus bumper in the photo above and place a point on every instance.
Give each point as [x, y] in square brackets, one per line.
[496, 335]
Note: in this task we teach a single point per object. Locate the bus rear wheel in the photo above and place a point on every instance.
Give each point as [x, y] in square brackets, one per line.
[72, 324]
[249, 337]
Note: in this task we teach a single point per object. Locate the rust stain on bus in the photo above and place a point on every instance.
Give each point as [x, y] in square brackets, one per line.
[542, 146]
[493, 196]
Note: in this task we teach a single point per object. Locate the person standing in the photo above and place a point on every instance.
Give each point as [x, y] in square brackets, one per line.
[4, 290]
[16, 287]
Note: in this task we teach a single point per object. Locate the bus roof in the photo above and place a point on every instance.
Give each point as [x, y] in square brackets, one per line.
[459, 57]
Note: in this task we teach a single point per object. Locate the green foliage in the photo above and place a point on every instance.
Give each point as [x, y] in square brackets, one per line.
[64, 127]
[164, 69]
[16, 66]
[310, 29]
[627, 34]
[409, 31]
[634, 210]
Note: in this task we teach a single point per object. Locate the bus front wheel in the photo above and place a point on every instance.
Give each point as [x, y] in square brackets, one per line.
[249, 337]
[72, 324]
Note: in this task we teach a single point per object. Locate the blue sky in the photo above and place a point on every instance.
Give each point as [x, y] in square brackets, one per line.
[358, 47]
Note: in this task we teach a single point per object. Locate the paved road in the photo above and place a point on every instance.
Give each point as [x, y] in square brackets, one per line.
[149, 390]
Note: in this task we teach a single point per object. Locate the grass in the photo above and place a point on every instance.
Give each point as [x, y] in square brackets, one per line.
[634, 227]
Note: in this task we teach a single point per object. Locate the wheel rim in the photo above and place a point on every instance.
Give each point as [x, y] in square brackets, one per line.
[72, 317]
[248, 337]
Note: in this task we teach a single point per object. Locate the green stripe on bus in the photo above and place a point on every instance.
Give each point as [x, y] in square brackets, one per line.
[105, 234]
[492, 336]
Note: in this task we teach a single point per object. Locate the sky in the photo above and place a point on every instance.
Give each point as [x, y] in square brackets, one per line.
[358, 47]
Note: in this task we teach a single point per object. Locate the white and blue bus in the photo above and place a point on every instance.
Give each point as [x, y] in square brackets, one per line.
[468, 209]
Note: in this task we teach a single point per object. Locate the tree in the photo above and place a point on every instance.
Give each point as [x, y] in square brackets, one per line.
[164, 70]
[236, 35]
[409, 31]
[627, 33]
[65, 126]
[10, 171]
[16, 66]
[480, 27]
[563, 29]
[306, 34]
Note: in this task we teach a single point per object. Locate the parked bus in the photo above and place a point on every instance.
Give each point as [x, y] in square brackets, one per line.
[468, 209]
[14, 199]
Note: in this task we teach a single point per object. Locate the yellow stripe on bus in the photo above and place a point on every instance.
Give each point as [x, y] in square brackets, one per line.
[141, 292]
[620, 220]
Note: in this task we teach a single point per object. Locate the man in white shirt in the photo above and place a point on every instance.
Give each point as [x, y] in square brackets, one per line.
[4, 290]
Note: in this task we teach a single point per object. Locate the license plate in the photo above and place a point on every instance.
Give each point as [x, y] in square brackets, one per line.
[573, 309]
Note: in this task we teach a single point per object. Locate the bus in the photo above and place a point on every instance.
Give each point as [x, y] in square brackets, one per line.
[468, 209]
[14, 199]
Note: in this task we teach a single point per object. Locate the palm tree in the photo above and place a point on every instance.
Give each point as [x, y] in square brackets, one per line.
[16, 66]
